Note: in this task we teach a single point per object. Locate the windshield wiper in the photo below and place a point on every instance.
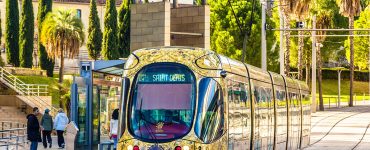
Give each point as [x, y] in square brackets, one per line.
[149, 131]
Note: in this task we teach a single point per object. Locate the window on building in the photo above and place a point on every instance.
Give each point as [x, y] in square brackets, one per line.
[79, 13]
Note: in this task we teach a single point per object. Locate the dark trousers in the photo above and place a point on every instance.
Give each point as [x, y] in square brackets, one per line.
[60, 138]
[34, 145]
[46, 134]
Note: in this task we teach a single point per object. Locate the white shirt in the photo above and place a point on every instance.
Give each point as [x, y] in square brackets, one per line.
[113, 127]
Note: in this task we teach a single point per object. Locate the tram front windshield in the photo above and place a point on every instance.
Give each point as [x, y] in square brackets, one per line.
[162, 107]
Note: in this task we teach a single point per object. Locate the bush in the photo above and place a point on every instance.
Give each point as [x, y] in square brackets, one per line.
[333, 74]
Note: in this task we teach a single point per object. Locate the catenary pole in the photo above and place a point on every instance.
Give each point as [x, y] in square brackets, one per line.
[313, 86]
[281, 51]
[263, 37]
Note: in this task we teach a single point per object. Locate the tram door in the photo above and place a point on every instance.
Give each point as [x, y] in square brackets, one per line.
[239, 115]
[264, 116]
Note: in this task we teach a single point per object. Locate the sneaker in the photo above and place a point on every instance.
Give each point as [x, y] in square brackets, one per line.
[50, 145]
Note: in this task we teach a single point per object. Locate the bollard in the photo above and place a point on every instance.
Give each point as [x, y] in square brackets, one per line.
[363, 99]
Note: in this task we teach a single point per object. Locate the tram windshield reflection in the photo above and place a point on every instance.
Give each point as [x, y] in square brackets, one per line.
[162, 107]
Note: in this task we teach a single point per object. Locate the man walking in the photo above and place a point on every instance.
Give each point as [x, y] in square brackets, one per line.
[61, 121]
[33, 129]
[47, 127]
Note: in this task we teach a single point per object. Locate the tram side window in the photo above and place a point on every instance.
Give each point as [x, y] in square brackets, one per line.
[243, 92]
[209, 125]
[257, 94]
[124, 95]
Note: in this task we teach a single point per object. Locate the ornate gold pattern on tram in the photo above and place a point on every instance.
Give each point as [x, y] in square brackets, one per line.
[198, 60]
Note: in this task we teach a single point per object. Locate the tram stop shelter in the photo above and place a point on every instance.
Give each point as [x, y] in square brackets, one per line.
[95, 93]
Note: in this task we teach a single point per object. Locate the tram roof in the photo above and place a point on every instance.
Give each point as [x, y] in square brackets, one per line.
[114, 67]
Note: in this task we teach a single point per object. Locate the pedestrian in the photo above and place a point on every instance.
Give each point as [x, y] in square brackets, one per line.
[61, 121]
[114, 128]
[33, 129]
[47, 127]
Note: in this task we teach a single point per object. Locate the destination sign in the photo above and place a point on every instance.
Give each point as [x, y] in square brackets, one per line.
[162, 77]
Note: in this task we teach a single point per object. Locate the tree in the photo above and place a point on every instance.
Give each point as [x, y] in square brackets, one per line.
[124, 29]
[1, 35]
[95, 35]
[287, 7]
[62, 34]
[361, 44]
[46, 63]
[300, 11]
[12, 32]
[26, 34]
[224, 26]
[109, 50]
[350, 9]
[324, 21]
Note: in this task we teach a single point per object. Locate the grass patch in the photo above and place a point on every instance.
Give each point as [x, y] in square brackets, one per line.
[330, 91]
[330, 87]
[52, 89]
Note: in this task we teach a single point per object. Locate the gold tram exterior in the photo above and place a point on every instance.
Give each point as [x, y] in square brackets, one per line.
[194, 99]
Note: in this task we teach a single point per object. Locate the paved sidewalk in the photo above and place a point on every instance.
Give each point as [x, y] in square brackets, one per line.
[341, 129]
[53, 147]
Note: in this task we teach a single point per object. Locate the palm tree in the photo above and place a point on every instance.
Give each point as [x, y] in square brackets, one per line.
[350, 9]
[287, 7]
[324, 21]
[62, 34]
[300, 12]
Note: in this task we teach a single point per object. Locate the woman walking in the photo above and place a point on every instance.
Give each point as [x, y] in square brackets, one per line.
[61, 121]
[46, 127]
[114, 128]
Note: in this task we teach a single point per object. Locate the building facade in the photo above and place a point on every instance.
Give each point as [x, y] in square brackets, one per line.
[82, 7]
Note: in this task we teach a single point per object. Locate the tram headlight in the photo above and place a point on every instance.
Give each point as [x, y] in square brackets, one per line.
[136, 147]
[130, 147]
[178, 148]
[186, 147]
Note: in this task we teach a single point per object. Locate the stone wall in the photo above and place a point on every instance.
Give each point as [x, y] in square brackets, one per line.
[25, 71]
[150, 25]
[195, 19]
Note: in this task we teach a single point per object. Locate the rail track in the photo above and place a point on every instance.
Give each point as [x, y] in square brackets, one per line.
[353, 112]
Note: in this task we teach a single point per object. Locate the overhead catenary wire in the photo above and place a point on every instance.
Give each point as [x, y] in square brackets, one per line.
[248, 32]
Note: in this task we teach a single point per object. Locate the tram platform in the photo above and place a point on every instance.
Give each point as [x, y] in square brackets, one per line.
[345, 128]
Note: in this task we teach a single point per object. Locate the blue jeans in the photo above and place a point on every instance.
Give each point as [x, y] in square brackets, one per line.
[34, 145]
[115, 141]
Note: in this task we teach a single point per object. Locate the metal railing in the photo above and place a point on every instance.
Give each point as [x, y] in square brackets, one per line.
[31, 92]
[332, 101]
[37, 89]
[13, 135]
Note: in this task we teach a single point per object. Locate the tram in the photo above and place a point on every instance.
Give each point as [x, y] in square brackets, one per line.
[185, 98]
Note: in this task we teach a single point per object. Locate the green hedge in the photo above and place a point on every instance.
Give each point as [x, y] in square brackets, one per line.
[333, 74]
